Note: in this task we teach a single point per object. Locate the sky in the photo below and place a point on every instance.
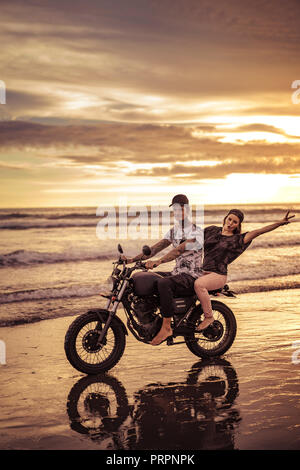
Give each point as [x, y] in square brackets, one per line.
[138, 100]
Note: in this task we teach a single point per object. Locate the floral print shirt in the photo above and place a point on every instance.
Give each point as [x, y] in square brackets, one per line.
[190, 261]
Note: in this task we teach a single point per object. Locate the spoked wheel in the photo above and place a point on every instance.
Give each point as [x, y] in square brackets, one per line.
[82, 348]
[218, 337]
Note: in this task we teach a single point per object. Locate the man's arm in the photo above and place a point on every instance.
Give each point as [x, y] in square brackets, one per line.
[171, 255]
[159, 246]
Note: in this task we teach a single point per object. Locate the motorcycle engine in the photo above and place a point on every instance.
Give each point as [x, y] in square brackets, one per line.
[144, 309]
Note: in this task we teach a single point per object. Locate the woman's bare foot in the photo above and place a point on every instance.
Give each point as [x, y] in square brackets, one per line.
[163, 334]
[206, 322]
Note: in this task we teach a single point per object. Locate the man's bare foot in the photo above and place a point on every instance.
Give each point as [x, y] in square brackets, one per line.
[163, 334]
[206, 322]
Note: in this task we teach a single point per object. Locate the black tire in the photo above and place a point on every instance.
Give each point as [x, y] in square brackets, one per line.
[218, 337]
[78, 343]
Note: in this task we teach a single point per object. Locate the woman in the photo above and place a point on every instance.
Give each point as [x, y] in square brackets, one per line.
[222, 245]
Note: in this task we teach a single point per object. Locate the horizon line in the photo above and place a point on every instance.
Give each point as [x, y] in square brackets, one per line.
[146, 205]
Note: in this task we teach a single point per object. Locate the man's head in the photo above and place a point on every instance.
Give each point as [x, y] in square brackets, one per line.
[179, 199]
[180, 206]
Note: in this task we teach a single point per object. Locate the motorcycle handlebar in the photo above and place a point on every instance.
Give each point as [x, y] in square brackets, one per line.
[138, 264]
[144, 265]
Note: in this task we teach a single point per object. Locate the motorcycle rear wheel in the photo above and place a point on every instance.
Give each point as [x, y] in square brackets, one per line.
[218, 337]
[81, 343]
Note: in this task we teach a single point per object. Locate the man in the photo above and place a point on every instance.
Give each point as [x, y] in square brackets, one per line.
[187, 240]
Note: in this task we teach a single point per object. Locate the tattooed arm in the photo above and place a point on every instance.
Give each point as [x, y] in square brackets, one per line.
[170, 256]
[159, 246]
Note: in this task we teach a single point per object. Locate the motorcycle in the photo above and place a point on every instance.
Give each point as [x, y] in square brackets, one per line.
[96, 340]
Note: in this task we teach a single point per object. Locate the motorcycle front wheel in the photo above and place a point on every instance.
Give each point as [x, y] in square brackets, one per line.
[218, 337]
[81, 343]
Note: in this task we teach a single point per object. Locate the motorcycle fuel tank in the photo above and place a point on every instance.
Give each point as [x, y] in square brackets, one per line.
[144, 283]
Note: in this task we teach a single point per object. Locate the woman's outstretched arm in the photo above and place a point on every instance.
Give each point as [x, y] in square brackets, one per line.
[268, 228]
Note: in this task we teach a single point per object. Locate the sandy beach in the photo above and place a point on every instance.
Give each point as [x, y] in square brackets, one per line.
[159, 397]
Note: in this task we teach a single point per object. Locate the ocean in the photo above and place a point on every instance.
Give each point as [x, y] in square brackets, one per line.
[53, 262]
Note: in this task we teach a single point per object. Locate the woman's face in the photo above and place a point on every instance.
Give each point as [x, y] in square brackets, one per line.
[231, 223]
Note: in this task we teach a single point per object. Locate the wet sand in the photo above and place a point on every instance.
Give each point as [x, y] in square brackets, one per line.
[159, 397]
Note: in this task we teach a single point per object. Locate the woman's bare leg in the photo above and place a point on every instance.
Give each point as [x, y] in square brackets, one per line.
[203, 284]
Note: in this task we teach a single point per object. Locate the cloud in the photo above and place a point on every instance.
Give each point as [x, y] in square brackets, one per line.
[14, 166]
[169, 149]
[194, 173]
[19, 102]
[130, 136]
[116, 53]
[258, 127]
[147, 91]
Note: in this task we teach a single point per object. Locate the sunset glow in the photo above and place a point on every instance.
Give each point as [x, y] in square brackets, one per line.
[97, 104]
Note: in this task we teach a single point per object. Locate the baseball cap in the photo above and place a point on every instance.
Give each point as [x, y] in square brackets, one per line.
[179, 199]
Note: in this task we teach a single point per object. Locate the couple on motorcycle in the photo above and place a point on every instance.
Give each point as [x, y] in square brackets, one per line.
[194, 273]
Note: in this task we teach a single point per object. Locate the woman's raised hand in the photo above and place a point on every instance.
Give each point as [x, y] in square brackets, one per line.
[286, 219]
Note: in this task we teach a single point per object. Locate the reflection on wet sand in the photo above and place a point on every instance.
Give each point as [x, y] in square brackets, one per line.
[195, 414]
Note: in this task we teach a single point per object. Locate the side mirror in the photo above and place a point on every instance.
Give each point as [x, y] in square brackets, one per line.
[120, 249]
[146, 250]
